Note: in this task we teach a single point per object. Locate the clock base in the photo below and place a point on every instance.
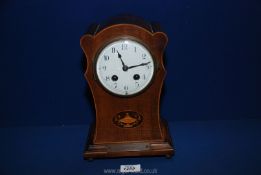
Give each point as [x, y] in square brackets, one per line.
[130, 149]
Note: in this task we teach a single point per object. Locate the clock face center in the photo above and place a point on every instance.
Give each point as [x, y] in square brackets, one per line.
[124, 67]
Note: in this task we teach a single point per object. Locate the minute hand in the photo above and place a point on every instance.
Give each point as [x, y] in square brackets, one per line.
[142, 64]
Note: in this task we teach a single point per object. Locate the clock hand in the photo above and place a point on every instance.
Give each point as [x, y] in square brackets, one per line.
[124, 66]
[142, 64]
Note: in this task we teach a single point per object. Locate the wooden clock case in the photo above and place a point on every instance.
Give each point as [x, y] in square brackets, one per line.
[150, 135]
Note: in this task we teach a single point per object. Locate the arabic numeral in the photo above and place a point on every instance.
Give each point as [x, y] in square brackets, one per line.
[129, 168]
[106, 57]
[126, 89]
[104, 68]
[137, 84]
[143, 56]
[113, 50]
[124, 47]
[107, 78]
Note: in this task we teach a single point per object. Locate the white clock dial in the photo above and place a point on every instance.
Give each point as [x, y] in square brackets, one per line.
[125, 67]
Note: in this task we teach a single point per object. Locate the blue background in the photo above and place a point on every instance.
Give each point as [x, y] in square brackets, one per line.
[212, 58]
[211, 97]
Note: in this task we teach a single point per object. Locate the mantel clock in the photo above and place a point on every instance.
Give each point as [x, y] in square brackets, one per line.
[125, 73]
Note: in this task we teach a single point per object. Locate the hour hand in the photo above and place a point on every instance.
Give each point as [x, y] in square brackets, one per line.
[142, 64]
[124, 66]
[119, 56]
